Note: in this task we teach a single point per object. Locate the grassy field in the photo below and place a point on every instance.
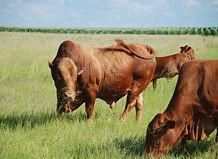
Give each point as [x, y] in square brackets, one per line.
[28, 127]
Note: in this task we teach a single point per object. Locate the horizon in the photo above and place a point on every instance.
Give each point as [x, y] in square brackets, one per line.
[109, 14]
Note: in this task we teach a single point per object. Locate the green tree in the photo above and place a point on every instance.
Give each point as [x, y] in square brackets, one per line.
[191, 31]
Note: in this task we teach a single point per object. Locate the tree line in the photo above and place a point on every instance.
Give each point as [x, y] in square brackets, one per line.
[150, 31]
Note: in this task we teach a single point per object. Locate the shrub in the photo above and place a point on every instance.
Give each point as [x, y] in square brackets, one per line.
[177, 31]
[170, 31]
[158, 31]
[166, 30]
[191, 31]
[206, 31]
[198, 31]
[213, 31]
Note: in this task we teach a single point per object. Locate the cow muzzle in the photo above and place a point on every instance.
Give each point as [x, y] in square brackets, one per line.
[71, 95]
[66, 100]
[63, 108]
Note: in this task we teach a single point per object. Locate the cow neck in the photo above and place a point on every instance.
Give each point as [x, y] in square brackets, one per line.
[175, 112]
[160, 64]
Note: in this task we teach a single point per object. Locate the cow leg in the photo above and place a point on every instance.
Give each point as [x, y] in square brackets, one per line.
[139, 101]
[89, 110]
[138, 107]
[130, 103]
[90, 102]
[133, 97]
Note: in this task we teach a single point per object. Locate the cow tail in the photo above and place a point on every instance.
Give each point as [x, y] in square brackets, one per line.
[154, 83]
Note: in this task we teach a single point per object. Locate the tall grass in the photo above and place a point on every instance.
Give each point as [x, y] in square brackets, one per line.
[29, 127]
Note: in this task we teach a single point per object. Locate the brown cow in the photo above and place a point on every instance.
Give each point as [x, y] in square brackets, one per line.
[192, 113]
[81, 74]
[169, 66]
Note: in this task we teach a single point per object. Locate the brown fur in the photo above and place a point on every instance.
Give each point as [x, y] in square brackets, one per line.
[192, 113]
[169, 66]
[108, 73]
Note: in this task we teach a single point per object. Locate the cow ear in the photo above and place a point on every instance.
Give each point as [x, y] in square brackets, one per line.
[188, 48]
[150, 49]
[80, 72]
[162, 120]
[182, 49]
[50, 64]
[185, 49]
[165, 121]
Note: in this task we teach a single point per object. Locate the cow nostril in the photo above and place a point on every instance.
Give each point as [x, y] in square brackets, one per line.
[67, 109]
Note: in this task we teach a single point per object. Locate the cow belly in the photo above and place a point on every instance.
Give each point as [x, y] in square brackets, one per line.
[109, 99]
[113, 91]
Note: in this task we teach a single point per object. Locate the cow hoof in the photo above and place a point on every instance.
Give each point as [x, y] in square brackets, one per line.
[138, 120]
[123, 119]
[90, 120]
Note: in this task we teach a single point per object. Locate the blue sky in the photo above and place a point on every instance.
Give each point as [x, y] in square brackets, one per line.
[108, 13]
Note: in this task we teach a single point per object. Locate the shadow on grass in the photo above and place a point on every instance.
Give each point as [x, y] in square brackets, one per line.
[14, 121]
[80, 116]
[132, 146]
[74, 117]
[192, 149]
[31, 120]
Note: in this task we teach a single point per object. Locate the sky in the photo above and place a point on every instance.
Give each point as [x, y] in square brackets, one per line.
[109, 13]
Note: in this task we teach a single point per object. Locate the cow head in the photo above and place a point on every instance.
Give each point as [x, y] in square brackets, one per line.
[188, 51]
[162, 134]
[64, 73]
[187, 54]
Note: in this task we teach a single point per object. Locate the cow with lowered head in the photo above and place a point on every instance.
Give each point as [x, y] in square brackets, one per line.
[169, 66]
[192, 113]
[81, 74]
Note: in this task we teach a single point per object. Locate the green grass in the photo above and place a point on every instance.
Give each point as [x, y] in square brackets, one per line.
[29, 128]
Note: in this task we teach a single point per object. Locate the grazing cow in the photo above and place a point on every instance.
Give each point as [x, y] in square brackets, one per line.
[192, 113]
[169, 66]
[81, 74]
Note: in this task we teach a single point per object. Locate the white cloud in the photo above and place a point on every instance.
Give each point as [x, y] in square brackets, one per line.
[38, 10]
[192, 3]
[41, 10]
[56, 2]
[168, 14]
[131, 5]
[163, 7]
[162, 2]
[197, 3]
[215, 2]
